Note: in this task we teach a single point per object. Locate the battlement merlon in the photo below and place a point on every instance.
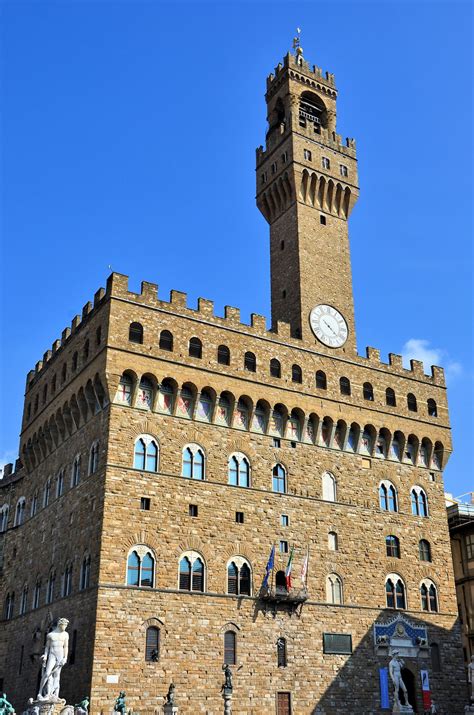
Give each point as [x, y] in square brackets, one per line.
[117, 287]
[299, 64]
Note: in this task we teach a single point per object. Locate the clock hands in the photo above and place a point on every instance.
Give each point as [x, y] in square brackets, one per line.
[330, 328]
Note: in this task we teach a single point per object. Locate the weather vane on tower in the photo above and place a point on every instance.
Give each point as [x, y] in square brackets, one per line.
[296, 40]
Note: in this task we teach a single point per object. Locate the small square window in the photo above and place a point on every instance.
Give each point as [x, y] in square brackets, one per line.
[239, 517]
[193, 510]
[344, 170]
[145, 503]
[307, 155]
[322, 219]
[293, 445]
[283, 294]
[283, 547]
[432, 477]
[284, 520]
[276, 442]
[326, 163]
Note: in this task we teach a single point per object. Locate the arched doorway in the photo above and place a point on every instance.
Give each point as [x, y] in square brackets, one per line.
[409, 680]
[280, 583]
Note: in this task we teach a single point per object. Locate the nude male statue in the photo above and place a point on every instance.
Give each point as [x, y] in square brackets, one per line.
[54, 657]
[395, 669]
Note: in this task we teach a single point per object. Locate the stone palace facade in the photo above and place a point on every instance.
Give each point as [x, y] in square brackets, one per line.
[164, 450]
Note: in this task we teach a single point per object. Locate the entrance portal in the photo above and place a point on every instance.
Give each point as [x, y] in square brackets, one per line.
[409, 680]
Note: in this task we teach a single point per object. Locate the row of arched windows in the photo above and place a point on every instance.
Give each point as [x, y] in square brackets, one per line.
[78, 358]
[52, 487]
[192, 577]
[166, 342]
[388, 498]
[277, 421]
[46, 591]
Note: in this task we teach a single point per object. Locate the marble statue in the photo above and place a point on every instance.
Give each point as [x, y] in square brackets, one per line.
[170, 695]
[82, 708]
[54, 657]
[120, 705]
[470, 676]
[32, 709]
[5, 707]
[395, 669]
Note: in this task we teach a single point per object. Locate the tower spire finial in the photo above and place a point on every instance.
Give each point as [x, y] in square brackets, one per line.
[297, 42]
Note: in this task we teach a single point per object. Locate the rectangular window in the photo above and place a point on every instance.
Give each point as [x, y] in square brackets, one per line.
[145, 503]
[322, 219]
[276, 442]
[470, 546]
[344, 170]
[307, 155]
[239, 517]
[193, 510]
[283, 704]
[283, 547]
[284, 520]
[337, 643]
[326, 163]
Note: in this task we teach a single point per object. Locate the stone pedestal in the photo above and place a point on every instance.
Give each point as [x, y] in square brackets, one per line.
[227, 695]
[46, 707]
[402, 709]
[170, 709]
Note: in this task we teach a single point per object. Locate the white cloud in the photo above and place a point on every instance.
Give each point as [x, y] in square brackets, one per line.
[5, 458]
[417, 349]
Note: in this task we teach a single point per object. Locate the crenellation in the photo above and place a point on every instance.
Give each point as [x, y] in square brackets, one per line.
[65, 335]
[416, 366]
[47, 356]
[258, 322]
[283, 330]
[438, 375]
[232, 315]
[373, 354]
[149, 292]
[38, 366]
[98, 296]
[55, 346]
[75, 323]
[395, 361]
[117, 285]
[206, 307]
[86, 309]
[178, 299]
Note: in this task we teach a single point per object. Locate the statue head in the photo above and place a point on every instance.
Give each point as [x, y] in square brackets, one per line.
[63, 624]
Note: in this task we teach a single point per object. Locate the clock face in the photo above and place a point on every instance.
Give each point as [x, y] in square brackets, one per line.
[328, 325]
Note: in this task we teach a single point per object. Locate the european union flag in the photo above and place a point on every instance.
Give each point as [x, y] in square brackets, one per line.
[269, 567]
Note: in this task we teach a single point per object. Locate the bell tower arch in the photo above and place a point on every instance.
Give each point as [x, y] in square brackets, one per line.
[307, 185]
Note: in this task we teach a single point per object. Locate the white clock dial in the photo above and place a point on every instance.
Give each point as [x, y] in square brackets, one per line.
[328, 325]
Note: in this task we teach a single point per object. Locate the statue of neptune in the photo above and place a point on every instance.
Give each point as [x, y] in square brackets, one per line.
[54, 657]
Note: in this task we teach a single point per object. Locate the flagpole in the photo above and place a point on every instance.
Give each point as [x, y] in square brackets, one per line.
[273, 566]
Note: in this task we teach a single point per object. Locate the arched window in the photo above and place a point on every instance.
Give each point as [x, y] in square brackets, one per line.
[424, 550]
[395, 592]
[332, 541]
[260, 417]
[388, 496]
[84, 580]
[204, 406]
[45, 393]
[239, 470]
[296, 374]
[250, 362]
[47, 491]
[67, 581]
[145, 394]
[191, 572]
[334, 589]
[429, 596]
[223, 355]
[4, 518]
[166, 397]
[37, 594]
[140, 567]
[152, 644]
[85, 350]
[76, 471]
[432, 408]
[277, 421]
[419, 503]
[326, 431]
[193, 462]
[20, 512]
[368, 391]
[275, 368]
[392, 546]
[329, 487]
[186, 402]
[293, 426]
[98, 335]
[239, 577]
[279, 479]
[242, 413]
[345, 386]
[353, 437]
[63, 380]
[411, 402]
[166, 340]
[281, 584]
[34, 501]
[230, 643]
[124, 391]
[321, 382]
[135, 333]
[50, 587]
[93, 458]
[9, 606]
[74, 361]
[145, 455]
[195, 348]
[390, 397]
[281, 653]
[24, 600]
[223, 410]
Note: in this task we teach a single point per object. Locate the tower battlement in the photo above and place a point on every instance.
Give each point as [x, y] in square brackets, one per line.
[324, 82]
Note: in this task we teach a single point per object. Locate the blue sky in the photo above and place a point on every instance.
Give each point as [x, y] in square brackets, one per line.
[129, 134]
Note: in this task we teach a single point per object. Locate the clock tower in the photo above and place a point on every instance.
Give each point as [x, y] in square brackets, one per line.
[307, 186]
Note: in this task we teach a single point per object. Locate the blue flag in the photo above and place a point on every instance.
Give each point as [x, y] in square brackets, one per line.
[269, 567]
[384, 697]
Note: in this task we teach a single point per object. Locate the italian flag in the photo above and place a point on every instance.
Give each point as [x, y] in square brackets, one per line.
[288, 569]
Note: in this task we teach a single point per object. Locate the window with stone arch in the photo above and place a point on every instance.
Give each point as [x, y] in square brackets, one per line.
[223, 355]
[329, 487]
[166, 341]
[419, 502]
[388, 496]
[250, 362]
[192, 572]
[239, 577]
[194, 466]
[395, 592]
[275, 368]
[281, 653]
[24, 600]
[333, 544]
[321, 381]
[424, 550]
[51, 586]
[146, 453]
[152, 644]
[145, 394]
[85, 577]
[239, 470]
[47, 492]
[4, 518]
[296, 374]
[9, 606]
[135, 333]
[230, 648]
[124, 390]
[279, 484]
[20, 512]
[432, 408]
[411, 402]
[94, 457]
[76, 471]
[34, 505]
[392, 546]
[429, 596]
[334, 593]
[368, 391]
[141, 567]
[37, 593]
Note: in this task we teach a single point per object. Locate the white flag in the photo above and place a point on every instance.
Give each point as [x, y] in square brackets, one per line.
[304, 569]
